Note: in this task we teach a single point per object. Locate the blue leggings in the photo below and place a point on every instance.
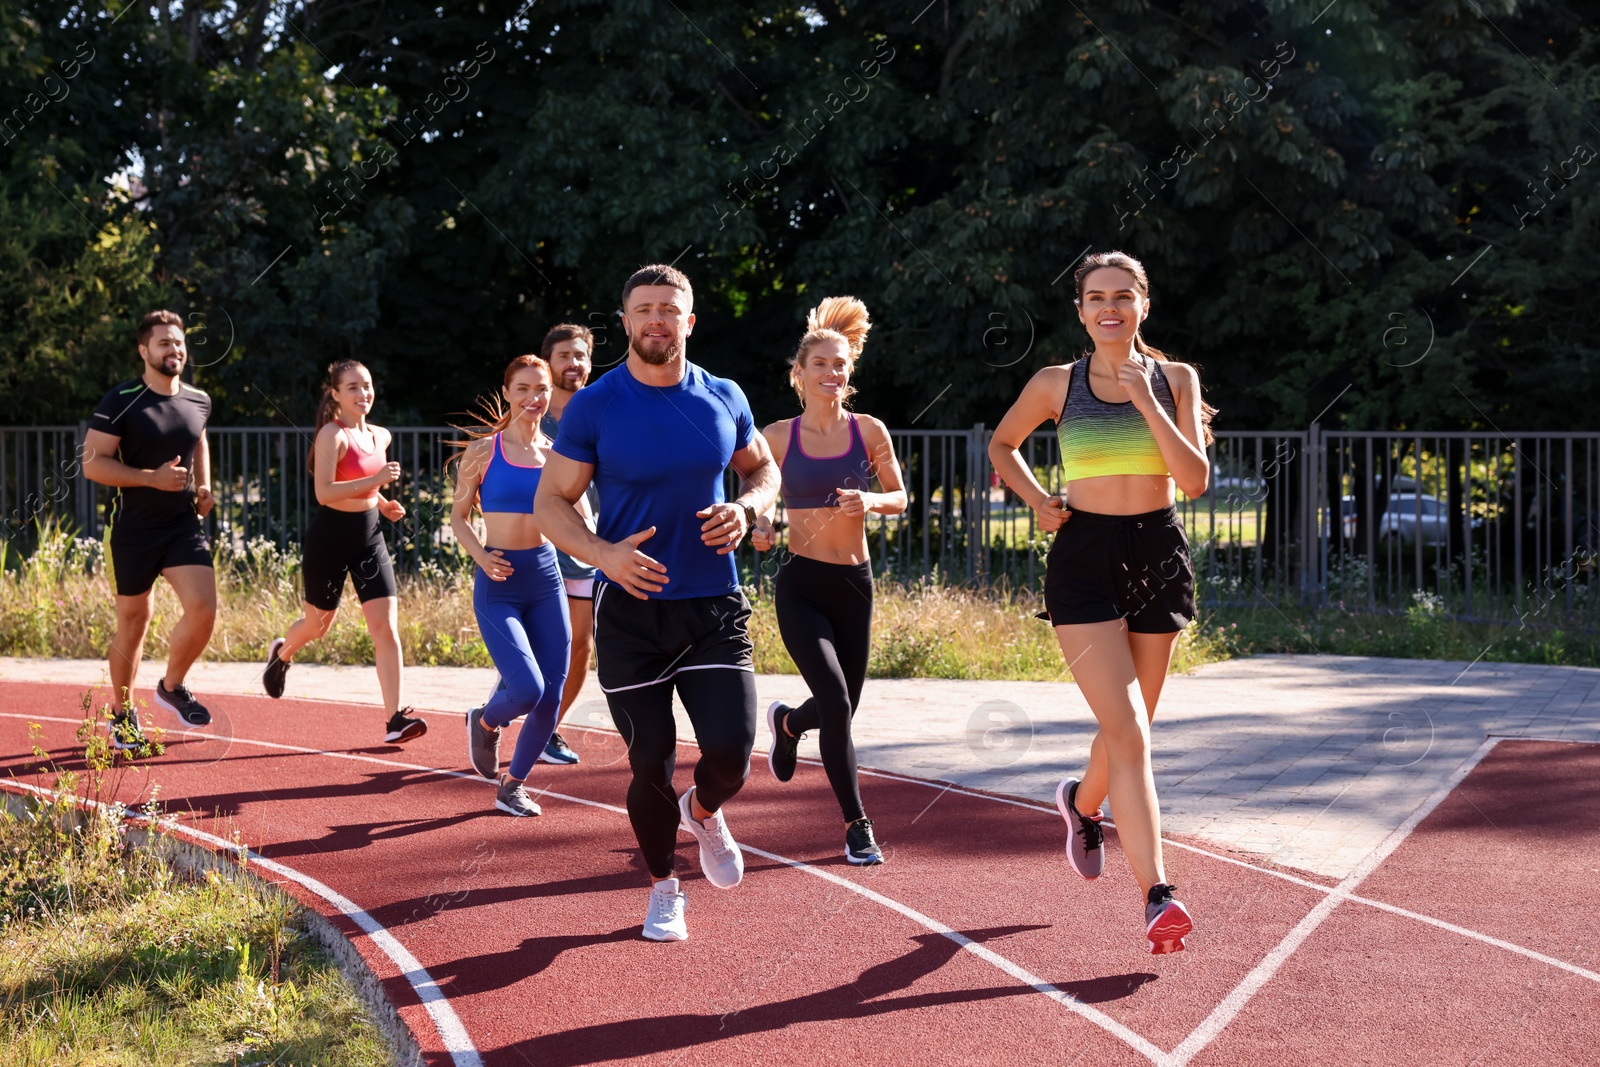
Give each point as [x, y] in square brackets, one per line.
[525, 626]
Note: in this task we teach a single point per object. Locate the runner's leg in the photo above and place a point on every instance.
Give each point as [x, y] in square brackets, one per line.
[1103, 666]
[313, 623]
[1152, 657]
[197, 593]
[127, 645]
[721, 702]
[581, 619]
[383, 623]
[644, 719]
[812, 634]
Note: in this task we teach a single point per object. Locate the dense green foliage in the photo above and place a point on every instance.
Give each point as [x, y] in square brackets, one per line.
[1386, 206]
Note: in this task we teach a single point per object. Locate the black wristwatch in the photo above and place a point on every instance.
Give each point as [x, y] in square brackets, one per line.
[750, 517]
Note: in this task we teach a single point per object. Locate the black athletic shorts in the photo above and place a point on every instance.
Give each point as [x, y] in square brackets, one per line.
[1133, 567]
[338, 543]
[138, 556]
[642, 642]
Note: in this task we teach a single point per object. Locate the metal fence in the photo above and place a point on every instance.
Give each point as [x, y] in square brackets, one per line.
[1498, 526]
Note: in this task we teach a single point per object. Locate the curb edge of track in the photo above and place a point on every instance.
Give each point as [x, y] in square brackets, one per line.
[194, 857]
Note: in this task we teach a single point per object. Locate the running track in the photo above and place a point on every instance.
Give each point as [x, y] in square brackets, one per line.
[1471, 937]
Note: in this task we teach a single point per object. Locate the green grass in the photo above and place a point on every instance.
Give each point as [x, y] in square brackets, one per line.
[110, 956]
[56, 603]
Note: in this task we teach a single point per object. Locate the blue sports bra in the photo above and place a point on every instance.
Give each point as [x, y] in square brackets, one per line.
[507, 486]
[812, 482]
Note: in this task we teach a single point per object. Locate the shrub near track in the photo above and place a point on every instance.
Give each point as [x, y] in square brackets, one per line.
[110, 956]
[57, 602]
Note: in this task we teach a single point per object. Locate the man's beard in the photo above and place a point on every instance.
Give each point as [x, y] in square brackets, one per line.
[662, 357]
[160, 366]
[571, 383]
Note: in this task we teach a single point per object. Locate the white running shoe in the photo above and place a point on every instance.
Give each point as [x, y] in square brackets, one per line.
[664, 921]
[720, 857]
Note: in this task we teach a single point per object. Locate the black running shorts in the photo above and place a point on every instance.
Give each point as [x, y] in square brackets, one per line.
[1133, 567]
[340, 543]
[642, 642]
[138, 556]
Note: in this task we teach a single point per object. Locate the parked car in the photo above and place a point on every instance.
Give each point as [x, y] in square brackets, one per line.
[1414, 515]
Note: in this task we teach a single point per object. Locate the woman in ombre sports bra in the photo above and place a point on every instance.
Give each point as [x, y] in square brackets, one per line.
[1119, 583]
[829, 457]
[348, 466]
[517, 592]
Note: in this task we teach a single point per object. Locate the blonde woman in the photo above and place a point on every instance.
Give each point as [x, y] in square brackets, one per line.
[829, 457]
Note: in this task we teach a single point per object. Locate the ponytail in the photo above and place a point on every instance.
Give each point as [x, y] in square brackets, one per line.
[837, 318]
[328, 406]
[493, 414]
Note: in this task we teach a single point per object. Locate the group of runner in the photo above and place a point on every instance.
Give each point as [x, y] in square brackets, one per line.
[604, 525]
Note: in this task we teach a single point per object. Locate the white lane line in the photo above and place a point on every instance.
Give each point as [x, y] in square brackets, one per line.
[1335, 894]
[1224, 1013]
[445, 1020]
[988, 955]
[1128, 1036]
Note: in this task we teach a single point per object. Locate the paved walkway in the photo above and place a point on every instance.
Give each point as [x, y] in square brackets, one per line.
[1308, 761]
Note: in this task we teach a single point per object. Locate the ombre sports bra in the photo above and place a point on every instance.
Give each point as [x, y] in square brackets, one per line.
[507, 486]
[813, 482]
[356, 464]
[1099, 438]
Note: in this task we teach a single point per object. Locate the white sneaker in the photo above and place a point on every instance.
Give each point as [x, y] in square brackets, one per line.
[720, 857]
[664, 921]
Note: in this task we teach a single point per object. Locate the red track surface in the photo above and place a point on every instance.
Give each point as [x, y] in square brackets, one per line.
[975, 943]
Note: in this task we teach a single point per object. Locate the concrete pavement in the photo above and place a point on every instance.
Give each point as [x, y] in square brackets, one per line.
[1309, 761]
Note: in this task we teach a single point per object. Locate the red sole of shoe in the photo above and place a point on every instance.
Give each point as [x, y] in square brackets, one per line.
[1167, 932]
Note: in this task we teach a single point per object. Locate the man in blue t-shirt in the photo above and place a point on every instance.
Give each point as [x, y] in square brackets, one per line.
[656, 436]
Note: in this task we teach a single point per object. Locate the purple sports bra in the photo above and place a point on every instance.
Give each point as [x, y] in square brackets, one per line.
[813, 482]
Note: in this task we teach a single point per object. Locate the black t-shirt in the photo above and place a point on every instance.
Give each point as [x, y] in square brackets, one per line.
[153, 428]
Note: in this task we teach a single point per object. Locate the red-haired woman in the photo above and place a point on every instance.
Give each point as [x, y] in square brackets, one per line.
[517, 594]
[829, 457]
[1119, 583]
[348, 467]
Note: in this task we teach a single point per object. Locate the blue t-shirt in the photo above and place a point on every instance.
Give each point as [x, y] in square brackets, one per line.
[659, 455]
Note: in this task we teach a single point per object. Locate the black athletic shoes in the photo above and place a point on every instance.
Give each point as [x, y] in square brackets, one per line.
[785, 750]
[1166, 922]
[127, 737]
[1086, 841]
[277, 670]
[403, 728]
[860, 847]
[182, 703]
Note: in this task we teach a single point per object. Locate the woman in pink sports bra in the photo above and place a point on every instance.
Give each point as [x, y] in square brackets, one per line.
[829, 457]
[348, 466]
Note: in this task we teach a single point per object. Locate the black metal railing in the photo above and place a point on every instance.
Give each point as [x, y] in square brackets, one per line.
[1481, 526]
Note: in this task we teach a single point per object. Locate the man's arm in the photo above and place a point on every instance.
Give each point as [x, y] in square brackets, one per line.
[100, 464]
[725, 525]
[561, 486]
[203, 500]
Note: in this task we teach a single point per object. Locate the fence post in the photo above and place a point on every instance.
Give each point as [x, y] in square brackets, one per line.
[1313, 547]
[83, 509]
[975, 497]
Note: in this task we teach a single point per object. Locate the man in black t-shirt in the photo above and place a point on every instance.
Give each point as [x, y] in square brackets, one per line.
[148, 441]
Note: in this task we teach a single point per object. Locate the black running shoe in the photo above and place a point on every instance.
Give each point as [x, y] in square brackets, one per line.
[1166, 922]
[182, 703]
[403, 728]
[277, 670]
[127, 737]
[860, 847]
[785, 750]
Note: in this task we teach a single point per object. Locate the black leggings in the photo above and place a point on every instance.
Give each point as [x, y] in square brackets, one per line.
[825, 616]
[721, 702]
